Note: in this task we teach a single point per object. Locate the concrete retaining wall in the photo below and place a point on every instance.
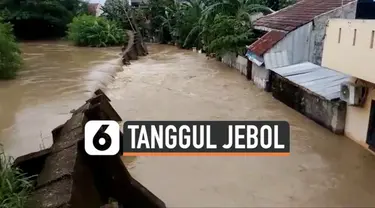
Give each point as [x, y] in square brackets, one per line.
[70, 178]
[260, 76]
[229, 59]
[330, 114]
[237, 62]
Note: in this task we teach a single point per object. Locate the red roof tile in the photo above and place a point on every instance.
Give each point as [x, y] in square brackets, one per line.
[298, 14]
[266, 42]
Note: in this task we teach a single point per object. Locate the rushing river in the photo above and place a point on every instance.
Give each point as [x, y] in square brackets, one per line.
[323, 170]
[56, 78]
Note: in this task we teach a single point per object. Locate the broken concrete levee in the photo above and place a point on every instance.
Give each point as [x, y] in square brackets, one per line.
[68, 177]
[134, 48]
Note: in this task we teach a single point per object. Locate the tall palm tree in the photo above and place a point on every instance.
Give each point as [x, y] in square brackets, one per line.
[231, 21]
[192, 27]
[167, 20]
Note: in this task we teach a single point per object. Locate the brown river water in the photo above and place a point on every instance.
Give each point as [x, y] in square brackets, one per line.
[323, 170]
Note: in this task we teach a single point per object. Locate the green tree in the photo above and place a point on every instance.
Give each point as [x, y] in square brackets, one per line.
[117, 10]
[41, 18]
[129, 18]
[214, 25]
[227, 34]
[141, 19]
[160, 16]
[10, 58]
[231, 21]
[278, 4]
[241, 9]
[87, 30]
[168, 20]
[188, 23]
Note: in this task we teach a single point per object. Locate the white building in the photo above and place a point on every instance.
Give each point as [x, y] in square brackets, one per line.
[95, 9]
[294, 35]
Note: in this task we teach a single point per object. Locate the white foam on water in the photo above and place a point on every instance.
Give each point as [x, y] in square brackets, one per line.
[101, 75]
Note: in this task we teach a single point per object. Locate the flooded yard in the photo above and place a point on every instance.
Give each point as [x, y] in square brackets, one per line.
[323, 169]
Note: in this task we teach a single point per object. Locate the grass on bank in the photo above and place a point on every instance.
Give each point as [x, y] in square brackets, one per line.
[10, 54]
[87, 30]
[15, 187]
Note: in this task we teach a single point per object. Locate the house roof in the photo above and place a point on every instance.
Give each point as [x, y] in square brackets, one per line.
[302, 12]
[92, 7]
[319, 80]
[266, 42]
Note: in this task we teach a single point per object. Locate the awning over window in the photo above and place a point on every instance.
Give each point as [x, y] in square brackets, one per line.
[254, 58]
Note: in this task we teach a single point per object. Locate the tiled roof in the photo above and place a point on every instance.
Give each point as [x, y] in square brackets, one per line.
[298, 14]
[266, 42]
[92, 8]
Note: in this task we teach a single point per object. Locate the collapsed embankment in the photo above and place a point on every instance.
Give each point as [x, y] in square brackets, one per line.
[134, 48]
[68, 177]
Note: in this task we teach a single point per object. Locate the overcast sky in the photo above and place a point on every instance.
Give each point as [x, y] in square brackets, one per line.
[97, 1]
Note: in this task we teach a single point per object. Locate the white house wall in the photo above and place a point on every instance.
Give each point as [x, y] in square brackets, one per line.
[292, 49]
[319, 29]
[277, 59]
[237, 62]
[241, 65]
[306, 42]
[229, 59]
[260, 76]
[99, 11]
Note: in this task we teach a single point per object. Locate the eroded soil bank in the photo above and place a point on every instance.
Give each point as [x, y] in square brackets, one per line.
[171, 84]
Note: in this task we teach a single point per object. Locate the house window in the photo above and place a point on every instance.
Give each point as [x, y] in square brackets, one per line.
[355, 36]
[372, 39]
[339, 39]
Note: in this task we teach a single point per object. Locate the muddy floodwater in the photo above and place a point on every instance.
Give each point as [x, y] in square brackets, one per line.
[56, 78]
[323, 170]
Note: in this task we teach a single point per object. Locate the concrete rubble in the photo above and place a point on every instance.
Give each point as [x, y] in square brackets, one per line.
[68, 177]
